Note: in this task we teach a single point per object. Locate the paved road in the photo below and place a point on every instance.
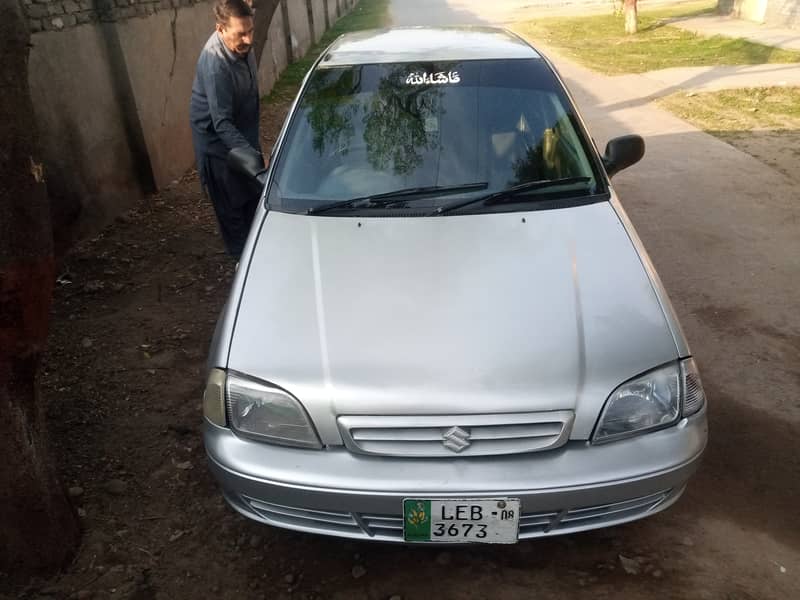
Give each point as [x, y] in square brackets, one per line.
[722, 77]
[469, 12]
[723, 25]
[722, 230]
[651, 85]
[472, 12]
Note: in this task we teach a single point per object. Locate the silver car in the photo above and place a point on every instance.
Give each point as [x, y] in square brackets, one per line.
[444, 327]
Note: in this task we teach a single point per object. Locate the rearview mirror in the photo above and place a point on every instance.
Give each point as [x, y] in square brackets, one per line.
[622, 152]
[248, 162]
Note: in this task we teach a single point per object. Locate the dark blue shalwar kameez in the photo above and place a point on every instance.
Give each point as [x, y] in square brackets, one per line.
[224, 114]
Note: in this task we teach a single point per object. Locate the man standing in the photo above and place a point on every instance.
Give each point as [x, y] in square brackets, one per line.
[224, 114]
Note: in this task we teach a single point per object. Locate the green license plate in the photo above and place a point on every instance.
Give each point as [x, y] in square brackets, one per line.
[484, 521]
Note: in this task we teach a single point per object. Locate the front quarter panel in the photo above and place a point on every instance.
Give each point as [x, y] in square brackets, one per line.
[661, 293]
[221, 341]
[219, 350]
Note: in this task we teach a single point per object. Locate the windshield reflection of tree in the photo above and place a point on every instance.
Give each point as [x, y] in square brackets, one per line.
[330, 98]
[395, 122]
[394, 117]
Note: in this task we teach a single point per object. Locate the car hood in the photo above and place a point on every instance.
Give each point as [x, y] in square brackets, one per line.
[463, 314]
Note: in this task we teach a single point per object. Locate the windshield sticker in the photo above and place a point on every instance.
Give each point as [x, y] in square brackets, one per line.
[439, 78]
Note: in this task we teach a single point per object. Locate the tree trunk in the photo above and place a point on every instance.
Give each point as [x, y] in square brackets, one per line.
[38, 526]
[631, 16]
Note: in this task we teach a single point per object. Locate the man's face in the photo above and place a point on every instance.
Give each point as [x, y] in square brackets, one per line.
[237, 34]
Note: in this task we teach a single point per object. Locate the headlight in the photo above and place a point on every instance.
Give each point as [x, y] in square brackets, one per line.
[648, 402]
[655, 400]
[262, 411]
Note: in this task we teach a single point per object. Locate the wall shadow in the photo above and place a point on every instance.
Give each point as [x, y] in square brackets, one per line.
[652, 89]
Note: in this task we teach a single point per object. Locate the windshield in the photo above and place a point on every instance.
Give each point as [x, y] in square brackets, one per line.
[377, 129]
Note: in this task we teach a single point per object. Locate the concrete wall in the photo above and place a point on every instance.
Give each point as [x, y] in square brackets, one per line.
[332, 10]
[299, 26]
[783, 13]
[778, 13]
[275, 57]
[318, 17]
[111, 82]
[89, 165]
[161, 54]
[752, 10]
[344, 6]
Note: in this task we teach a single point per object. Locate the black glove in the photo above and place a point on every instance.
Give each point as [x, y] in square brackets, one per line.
[246, 160]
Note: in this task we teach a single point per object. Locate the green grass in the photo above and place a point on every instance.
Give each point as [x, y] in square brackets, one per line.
[600, 42]
[773, 109]
[368, 14]
[762, 122]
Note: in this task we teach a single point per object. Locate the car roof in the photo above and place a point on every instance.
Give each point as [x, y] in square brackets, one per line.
[425, 44]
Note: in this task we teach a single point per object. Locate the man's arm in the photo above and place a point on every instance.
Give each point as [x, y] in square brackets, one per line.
[219, 91]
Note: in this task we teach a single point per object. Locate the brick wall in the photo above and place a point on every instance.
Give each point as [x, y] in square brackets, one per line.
[56, 15]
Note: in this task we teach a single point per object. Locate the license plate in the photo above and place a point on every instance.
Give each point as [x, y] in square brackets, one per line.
[493, 521]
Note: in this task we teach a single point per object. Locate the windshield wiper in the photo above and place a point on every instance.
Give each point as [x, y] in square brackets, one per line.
[510, 194]
[387, 198]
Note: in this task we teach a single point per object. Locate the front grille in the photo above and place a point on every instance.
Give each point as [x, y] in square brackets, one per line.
[535, 524]
[389, 528]
[383, 526]
[456, 435]
[617, 511]
[305, 519]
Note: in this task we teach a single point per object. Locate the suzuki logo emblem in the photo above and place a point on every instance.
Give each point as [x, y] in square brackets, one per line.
[456, 439]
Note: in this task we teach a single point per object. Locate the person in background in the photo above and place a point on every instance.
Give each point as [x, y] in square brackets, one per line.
[224, 114]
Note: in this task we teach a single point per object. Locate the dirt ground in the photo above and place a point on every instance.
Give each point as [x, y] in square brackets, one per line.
[778, 149]
[763, 122]
[134, 311]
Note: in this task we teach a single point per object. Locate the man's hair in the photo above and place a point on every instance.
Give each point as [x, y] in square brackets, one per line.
[225, 9]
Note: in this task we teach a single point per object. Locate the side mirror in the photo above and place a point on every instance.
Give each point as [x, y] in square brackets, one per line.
[248, 162]
[622, 152]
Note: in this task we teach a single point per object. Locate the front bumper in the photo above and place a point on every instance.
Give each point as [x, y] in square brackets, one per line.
[574, 488]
